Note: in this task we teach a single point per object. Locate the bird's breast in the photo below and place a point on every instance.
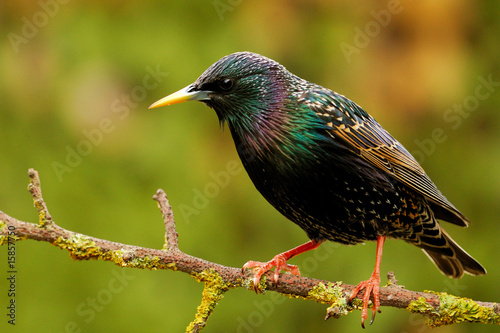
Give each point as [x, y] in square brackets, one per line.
[327, 195]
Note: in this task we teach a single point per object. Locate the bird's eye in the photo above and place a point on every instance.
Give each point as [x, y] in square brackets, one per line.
[226, 84]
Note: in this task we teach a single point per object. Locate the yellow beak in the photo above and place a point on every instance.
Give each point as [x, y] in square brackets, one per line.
[180, 96]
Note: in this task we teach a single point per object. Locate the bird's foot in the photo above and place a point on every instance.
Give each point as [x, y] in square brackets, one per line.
[260, 268]
[371, 286]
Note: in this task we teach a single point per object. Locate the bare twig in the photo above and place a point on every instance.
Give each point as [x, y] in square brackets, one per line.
[171, 235]
[36, 192]
[440, 308]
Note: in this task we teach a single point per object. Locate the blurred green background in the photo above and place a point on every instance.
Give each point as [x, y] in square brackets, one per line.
[75, 85]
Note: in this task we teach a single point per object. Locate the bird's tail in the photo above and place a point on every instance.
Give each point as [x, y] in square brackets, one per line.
[448, 256]
[458, 263]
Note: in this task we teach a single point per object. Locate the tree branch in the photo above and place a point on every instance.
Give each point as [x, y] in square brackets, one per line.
[439, 308]
[171, 235]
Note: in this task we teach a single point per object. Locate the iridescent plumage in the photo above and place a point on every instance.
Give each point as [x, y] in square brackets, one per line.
[326, 164]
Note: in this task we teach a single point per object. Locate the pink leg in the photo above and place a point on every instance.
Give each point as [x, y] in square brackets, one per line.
[279, 261]
[371, 286]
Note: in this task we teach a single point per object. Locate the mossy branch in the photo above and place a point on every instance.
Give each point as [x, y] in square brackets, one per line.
[439, 308]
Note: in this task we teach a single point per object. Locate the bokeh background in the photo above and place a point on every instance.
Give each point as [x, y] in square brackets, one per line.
[76, 80]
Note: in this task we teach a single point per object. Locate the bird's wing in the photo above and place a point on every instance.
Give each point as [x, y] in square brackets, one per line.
[348, 122]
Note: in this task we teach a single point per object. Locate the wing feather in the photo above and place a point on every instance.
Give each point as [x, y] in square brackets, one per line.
[363, 135]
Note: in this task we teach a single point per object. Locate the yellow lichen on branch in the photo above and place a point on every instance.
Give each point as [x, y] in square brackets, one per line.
[453, 310]
[333, 295]
[213, 292]
[80, 247]
[440, 308]
[7, 235]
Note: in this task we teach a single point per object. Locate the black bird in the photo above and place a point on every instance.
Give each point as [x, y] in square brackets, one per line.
[327, 165]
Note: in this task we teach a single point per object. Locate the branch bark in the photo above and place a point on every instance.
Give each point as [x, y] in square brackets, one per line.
[439, 308]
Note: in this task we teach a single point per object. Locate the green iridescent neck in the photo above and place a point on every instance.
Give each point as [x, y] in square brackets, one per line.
[280, 128]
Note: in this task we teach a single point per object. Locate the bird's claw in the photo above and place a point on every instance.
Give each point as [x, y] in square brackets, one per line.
[371, 286]
[260, 268]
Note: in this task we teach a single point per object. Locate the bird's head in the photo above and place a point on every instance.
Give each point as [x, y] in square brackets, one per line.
[242, 86]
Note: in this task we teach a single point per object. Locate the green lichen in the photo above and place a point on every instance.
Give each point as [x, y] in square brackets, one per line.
[331, 294]
[80, 247]
[261, 287]
[115, 256]
[421, 306]
[147, 262]
[3, 230]
[5, 238]
[42, 218]
[453, 310]
[171, 266]
[214, 290]
[15, 238]
[151, 263]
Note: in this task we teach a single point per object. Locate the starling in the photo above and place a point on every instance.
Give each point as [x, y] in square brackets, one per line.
[328, 166]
